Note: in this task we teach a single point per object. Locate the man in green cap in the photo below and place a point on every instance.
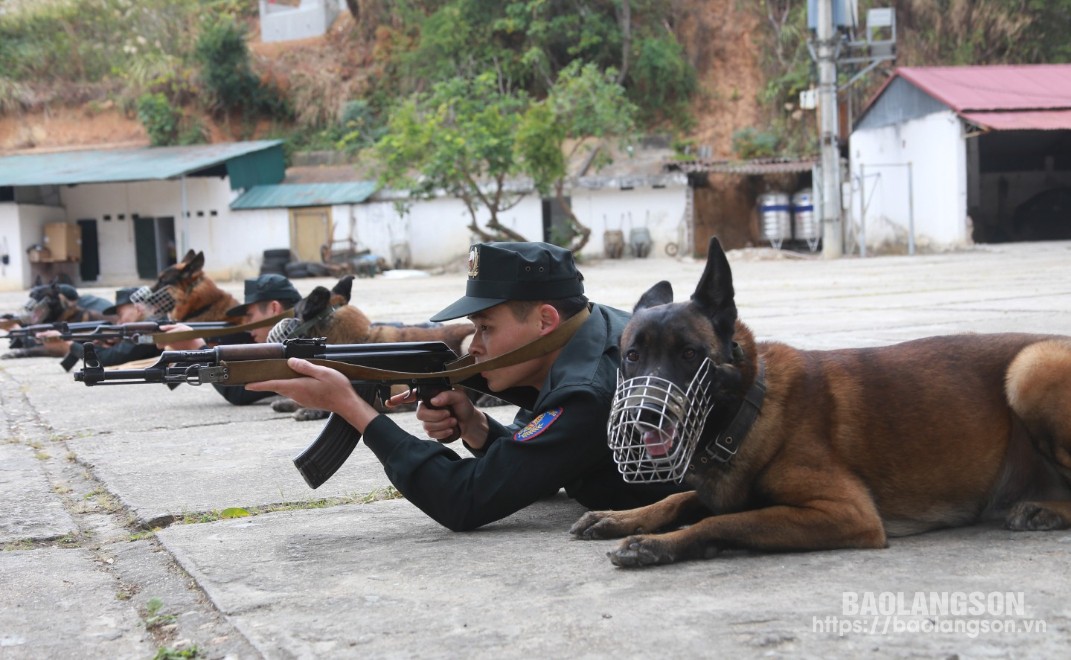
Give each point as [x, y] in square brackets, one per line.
[266, 296]
[516, 293]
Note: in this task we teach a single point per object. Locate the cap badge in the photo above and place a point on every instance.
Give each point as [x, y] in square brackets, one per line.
[474, 263]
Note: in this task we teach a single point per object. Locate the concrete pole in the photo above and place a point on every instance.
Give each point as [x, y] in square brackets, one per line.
[832, 232]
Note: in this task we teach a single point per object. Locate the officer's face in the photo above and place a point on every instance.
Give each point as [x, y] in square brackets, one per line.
[128, 313]
[258, 312]
[498, 331]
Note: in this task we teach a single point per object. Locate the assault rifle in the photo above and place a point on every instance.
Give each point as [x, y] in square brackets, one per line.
[24, 332]
[380, 365]
[141, 332]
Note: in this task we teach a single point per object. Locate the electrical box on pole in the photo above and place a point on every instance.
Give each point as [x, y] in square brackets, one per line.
[834, 25]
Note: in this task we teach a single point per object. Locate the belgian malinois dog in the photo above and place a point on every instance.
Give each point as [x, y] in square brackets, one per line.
[49, 303]
[197, 298]
[796, 450]
[328, 313]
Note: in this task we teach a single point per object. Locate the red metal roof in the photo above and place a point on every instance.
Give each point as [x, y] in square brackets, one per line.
[996, 87]
[1000, 96]
[1027, 120]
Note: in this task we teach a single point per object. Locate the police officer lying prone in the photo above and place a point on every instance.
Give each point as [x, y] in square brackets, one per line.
[515, 294]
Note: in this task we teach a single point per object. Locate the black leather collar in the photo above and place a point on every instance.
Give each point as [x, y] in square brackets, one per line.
[725, 445]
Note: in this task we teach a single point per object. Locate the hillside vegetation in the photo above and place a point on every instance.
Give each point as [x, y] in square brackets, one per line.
[719, 73]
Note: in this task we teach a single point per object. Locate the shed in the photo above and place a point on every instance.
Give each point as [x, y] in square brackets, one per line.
[133, 208]
[948, 156]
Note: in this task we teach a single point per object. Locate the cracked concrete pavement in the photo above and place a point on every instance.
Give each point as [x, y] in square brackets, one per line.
[114, 544]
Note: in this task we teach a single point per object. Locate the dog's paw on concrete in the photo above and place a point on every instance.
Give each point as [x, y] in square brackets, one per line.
[595, 525]
[1033, 517]
[282, 404]
[310, 414]
[640, 551]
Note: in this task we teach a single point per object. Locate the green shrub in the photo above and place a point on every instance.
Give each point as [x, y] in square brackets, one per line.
[752, 143]
[159, 119]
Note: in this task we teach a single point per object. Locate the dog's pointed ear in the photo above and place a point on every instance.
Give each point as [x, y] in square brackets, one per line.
[196, 263]
[317, 300]
[344, 288]
[190, 254]
[659, 294]
[714, 294]
[37, 280]
[715, 289]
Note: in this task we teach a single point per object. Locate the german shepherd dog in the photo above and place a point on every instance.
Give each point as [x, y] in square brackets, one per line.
[845, 447]
[329, 314]
[53, 303]
[197, 298]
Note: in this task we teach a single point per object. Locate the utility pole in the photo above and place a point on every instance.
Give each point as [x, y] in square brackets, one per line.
[826, 56]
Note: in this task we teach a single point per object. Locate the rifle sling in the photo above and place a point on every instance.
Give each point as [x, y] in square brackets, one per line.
[204, 333]
[254, 371]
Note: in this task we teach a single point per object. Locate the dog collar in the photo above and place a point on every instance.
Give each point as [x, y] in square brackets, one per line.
[308, 324]
[727, 443]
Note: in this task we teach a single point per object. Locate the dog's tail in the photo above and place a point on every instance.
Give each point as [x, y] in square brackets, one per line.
[1038, 386]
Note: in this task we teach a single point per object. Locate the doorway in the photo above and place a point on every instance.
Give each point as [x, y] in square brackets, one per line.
[154, 245]
[310, 231]
[89, 267]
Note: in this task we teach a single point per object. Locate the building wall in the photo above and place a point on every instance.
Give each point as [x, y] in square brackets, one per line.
[433, 233]
[659, 210]
[883, 202]
[233, 241]
[437, 230]
[311, 18]
[22, 225]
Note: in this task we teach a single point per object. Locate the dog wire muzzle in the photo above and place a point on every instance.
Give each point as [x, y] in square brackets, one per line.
[158, 303]
[655, 426]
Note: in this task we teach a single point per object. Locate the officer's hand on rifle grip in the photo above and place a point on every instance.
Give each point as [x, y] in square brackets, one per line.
[435, 418]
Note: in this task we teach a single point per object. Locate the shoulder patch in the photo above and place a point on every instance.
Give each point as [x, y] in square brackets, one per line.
[538, 425]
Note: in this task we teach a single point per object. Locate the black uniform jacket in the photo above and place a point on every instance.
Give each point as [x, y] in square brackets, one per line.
[559, 443]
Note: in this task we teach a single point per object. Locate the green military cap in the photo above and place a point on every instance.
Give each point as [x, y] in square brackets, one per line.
[270, 286]
[122, 297]
[515, 271]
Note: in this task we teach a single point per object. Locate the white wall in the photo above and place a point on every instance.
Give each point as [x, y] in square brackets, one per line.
[311, 18]
[660, 210]
[20, 227]
[233, 241]
[934, 146]
[438, 234]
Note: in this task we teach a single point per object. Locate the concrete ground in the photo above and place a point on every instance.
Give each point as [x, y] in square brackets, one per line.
[117, 540]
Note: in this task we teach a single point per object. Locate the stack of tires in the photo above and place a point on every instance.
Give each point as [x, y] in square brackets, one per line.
[282, 262]
[275, 261]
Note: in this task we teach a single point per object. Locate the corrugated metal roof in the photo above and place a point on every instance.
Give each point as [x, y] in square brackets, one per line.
[994, 97]
[1028, 120]
[294, 195]
[995, 87]
[117, 165]
[756, 166]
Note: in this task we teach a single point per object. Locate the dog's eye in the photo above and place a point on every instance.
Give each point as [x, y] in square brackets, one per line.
[632, 355]
[688, 354]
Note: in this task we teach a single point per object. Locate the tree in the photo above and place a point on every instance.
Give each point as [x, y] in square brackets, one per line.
[470, 139]
[585, 108]
[459, 139]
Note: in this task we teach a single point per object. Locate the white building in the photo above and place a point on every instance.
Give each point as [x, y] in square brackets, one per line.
[137, 209]
[947, 156]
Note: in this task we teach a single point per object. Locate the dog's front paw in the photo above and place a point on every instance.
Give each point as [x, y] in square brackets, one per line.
[310, 414]
[1034, 517]
[284, 404]
[640, 551]
[599, 525]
